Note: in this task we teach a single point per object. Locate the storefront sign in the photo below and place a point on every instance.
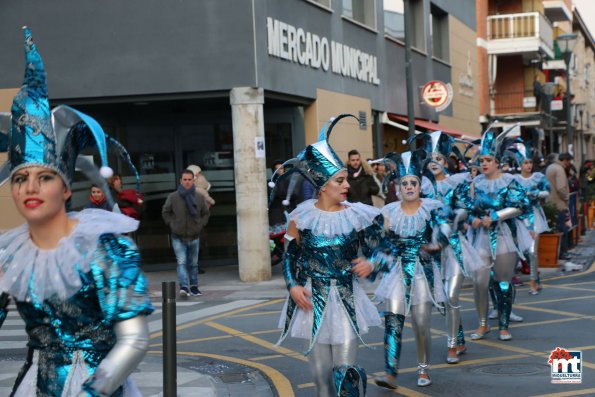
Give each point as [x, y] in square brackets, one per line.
[296, 45]
[437, 94]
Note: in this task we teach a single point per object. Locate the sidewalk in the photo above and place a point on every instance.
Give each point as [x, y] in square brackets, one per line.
[222, 283]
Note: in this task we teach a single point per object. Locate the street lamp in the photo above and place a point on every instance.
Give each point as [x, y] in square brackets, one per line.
[548, 91]
[566, 43]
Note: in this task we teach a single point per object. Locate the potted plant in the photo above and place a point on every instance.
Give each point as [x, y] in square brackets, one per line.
[590, 200]
[548, 249]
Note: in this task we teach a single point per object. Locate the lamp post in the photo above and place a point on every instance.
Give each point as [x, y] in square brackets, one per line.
[409, 72]
[566, 43]
[548, 91]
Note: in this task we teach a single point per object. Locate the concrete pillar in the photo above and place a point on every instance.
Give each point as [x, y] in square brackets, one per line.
[251, 183]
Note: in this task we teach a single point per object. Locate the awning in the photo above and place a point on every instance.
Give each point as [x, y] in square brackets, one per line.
[426, 125]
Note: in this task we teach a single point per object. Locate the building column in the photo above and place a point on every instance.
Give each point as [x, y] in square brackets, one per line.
[250, 183]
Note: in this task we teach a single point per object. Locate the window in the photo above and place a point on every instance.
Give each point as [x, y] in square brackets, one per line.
[325, 3]
[362, 11]
[439, 32]
[394, 19]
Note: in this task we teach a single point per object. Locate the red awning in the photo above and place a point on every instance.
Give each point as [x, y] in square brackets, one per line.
[426, 125]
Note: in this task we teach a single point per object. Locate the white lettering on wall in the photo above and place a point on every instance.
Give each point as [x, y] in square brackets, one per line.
[295, 45]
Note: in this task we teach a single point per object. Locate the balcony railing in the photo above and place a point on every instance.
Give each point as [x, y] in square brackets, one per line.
[512, 102]
[528, 31]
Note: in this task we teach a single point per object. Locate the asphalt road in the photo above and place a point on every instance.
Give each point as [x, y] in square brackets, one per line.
[233, 342]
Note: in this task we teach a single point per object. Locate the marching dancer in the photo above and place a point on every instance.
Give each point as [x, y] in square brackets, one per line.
[75, 279]
[538, 188]
[498, 200]
[459, 258]
[327, 306]
[415, 230]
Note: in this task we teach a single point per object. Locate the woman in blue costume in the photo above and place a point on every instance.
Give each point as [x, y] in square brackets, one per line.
[538, 188]
[415, 229]
[498, 200]
[327, 306]
[75, 280]
[459, 258]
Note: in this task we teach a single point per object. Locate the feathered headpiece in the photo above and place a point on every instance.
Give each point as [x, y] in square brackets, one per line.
[440, 143]
[40, 137]
[318, 162]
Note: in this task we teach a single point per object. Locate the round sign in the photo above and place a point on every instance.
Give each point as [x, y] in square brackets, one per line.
[437, 94]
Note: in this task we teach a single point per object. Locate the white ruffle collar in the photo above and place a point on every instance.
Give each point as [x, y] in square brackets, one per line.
[356, 216]
[484, 184]
[409, 225]
[533, 180]
[30, 272]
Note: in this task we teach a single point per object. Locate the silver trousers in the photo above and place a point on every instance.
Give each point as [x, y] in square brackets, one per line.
[323, 358]
[453, 312]
[420, 318]
[533, 260]
[503, 269]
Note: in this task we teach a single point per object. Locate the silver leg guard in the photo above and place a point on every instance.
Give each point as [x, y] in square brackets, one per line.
[481, 282]
[533, 260]
[453, 312]
[504, 266]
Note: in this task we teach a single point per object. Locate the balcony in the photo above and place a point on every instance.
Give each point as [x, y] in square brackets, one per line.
[558, 10]
[513, 102]
[528, 34]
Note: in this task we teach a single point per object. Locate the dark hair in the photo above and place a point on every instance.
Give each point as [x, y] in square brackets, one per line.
[186, 172]
[274, 163]
[352, 152]
[565, 156]
[95, 186]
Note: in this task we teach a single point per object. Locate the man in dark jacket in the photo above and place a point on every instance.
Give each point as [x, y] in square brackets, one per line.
[186, 213]
[362, 185]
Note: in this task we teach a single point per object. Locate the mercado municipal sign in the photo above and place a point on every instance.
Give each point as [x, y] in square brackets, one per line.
[293, 44]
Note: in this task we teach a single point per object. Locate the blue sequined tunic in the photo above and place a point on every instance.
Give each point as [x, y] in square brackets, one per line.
[491, 195]
[455, 193]
[71, 297]
[322, 263]
[535, 186]
[401, 252]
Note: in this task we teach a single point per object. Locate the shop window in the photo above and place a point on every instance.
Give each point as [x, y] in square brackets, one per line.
[362, 11]
[277, 142]
[439, 32]
[394, 19]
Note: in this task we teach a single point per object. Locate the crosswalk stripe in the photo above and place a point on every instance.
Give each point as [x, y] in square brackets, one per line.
[157, 325]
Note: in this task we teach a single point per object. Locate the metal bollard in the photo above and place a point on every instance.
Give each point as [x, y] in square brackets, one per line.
[170, 377]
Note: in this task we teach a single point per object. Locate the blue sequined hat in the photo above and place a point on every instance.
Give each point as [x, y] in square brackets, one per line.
[495, 145]
[438, 142]
[318, 162]
[407, 163]
[40, 137]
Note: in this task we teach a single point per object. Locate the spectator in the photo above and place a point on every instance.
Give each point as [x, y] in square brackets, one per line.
[128, 200]
[282, 199]
[363, 186]
[202, 184]
[559, 194]
[308, 190]
[97, 199]
[537, 91]
[378, 173]
[186, 213]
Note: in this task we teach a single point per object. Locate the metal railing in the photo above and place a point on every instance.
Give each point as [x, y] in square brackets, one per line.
[523, 25]
[511, 102]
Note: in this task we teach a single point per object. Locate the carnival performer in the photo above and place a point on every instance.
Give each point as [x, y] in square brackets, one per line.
[327, 306]
[498, 200]
[538, 188]
[459, 258]
[75, 280]
[415, 230]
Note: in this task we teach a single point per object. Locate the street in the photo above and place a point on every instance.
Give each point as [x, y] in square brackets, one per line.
[226, 346]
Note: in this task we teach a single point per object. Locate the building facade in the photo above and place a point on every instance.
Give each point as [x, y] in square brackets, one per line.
[161, 80]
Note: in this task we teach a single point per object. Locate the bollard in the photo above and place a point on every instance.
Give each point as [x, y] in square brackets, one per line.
[170, 377]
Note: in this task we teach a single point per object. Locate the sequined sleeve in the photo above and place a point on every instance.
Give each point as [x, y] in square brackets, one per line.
[371, 236]
[543, 185]
[440, 226]
[121, 284]
[290, 264]
[516, 197]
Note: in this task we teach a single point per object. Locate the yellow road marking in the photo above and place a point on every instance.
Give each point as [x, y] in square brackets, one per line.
[268, 331]
[503, 346]
[551, 311]
[218, 316]
[567, 393]
[255, 314]
[186, 341]
[573, 298]
[280, 382]
[401, 390]
[572, 288]
[261, 342]
[559, 320]
[270, 356]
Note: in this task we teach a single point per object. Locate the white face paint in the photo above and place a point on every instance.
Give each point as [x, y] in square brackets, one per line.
[410, 188]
